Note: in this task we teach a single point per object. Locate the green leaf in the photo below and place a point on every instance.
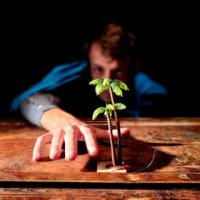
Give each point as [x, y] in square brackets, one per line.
[123, 85]
[109, 110]
[100, 88]
[116, 82]
[108, 113]
[97, 112]
[96, 81]
[116, 89]
[119, 106]
[107, 81]
[109, 107]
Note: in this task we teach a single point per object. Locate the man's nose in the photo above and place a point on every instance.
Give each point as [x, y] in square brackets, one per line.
[109, 74]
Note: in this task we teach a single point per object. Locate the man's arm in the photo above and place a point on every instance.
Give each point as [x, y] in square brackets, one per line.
[42, 110]
[34, 106]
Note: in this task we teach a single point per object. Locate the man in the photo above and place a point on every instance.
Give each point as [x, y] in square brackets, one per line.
[112, 53]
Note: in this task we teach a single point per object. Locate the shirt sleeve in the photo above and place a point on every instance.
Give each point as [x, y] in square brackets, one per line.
[35, 106]
[58, 76]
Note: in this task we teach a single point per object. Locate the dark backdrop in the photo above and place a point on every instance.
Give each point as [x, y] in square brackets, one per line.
[36, 38]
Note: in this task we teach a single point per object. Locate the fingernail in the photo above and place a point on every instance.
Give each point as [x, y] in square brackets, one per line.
[70, 157]
[93, 151]
[54, 154]
[36, 156]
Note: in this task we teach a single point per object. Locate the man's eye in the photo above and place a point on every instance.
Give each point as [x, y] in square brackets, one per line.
[98, 70]
[119, 73]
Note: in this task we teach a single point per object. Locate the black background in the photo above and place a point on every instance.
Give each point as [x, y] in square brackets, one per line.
[35, 38]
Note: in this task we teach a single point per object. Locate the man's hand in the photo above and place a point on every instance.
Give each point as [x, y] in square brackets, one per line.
[65, 128]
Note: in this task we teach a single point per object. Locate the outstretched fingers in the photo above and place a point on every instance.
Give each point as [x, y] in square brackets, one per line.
[39, 145]
[56, 144]
[124, 132]
[104, 134]
[70, 135]
[71, 142]
[90, 139]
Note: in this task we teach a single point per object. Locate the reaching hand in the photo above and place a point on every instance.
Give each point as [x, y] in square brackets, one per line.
[68, 129]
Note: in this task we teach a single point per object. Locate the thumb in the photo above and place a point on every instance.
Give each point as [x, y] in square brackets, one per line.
[104, 134]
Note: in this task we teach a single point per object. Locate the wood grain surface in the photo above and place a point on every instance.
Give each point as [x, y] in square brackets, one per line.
[163, 155]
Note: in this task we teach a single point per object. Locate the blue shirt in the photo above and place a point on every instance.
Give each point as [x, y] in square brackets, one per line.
[70, 81]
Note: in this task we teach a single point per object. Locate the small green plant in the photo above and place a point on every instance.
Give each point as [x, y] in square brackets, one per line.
[114, 87]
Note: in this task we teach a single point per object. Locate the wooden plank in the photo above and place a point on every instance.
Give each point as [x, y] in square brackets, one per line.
[97, 194]
[177, 156]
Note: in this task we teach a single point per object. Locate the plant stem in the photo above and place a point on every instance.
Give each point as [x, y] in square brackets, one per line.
[113, 155]
[119, 157]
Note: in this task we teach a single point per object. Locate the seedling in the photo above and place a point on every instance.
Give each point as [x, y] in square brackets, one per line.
[114, 87]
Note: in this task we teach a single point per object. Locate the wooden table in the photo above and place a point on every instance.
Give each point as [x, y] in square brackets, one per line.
[164, 155]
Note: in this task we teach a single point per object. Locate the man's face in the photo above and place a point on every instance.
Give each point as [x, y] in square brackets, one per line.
[102, 66]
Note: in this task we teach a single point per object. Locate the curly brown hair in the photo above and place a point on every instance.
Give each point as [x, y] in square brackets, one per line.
[115, 42]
